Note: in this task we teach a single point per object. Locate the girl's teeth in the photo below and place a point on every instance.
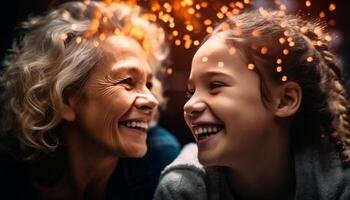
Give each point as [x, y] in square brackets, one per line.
[203, 130]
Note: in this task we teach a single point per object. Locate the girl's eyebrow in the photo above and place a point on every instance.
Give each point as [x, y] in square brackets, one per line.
[217, 73]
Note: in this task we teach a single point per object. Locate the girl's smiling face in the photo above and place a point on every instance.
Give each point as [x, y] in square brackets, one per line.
[225, 111]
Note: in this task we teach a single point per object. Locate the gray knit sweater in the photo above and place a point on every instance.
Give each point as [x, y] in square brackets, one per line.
[319, 176]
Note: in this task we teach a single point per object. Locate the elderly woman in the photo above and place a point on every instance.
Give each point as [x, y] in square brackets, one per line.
[76, 99]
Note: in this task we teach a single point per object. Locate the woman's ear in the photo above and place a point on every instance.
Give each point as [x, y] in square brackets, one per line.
[69, 99]
[289, 99]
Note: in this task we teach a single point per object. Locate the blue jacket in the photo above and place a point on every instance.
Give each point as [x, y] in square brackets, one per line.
[133, 179]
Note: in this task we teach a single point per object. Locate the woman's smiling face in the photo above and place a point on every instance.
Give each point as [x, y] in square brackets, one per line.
[116, 105]
[225, 111]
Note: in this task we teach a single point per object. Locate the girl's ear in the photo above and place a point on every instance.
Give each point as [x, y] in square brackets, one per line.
[69, 100]
[289, 99]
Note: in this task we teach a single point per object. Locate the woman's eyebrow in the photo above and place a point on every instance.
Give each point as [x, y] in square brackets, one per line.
[131, 69]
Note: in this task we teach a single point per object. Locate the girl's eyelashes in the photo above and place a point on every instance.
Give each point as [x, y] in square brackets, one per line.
[215, 84]
[189, 93]
[149, 85]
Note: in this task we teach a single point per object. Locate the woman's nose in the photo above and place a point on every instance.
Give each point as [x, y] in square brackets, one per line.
[194, 106]
[146, 102]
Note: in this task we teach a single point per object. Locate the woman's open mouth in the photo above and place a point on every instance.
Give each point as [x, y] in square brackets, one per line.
[135, 124]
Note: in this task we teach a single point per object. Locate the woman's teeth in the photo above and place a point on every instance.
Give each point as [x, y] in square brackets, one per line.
[136, 124]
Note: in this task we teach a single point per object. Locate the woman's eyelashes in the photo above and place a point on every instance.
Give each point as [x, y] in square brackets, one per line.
[127, 82]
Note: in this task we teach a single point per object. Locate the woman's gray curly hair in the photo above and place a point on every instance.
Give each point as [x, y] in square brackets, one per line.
[57, 52]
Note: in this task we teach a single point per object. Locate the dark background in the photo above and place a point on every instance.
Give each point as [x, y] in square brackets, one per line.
[15, 11]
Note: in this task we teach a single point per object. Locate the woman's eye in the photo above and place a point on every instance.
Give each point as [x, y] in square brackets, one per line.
[214, 85]
[127, 81]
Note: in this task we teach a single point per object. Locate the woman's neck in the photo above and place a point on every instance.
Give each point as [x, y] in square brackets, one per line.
[90, 170]
[270, 175]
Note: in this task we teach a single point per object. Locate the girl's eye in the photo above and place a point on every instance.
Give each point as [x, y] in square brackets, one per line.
[189, 94]
[149, 85]
[214, 85]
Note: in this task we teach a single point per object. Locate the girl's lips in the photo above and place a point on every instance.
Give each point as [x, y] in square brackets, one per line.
[205, 132]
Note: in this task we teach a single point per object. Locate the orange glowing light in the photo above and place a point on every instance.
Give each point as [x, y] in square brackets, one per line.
[96, 43]
[63, 36]
[284, 78]
[279, 61]
[207, 22]
[204, 59]
[303, 29]
[251, 66]
[232, 50]
[191, 11]
[177, 42]
[307, 3]
[279, 69]
[328, 38]
[78, 40]
[322, 14]
[196, 43]
[102, 37]
[332, 7]
[224, 9]
[175, 33]
[220, 15]
[209, 29]
[256, 33]
[309, 59]
[282, 40]
[189, 27]
[169, 70]
[264, 50]
[204, 4]
[285, 51]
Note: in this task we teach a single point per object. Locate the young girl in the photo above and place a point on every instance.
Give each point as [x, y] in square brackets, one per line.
[268, 111]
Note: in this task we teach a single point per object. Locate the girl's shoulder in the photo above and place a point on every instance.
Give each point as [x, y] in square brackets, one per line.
[184, 177]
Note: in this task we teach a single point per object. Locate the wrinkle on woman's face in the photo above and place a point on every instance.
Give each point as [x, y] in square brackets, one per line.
[110, 96]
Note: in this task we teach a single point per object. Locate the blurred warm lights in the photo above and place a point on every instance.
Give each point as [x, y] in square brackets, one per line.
[279, 69]
[232, 50]
[251, 66]
[279, 61]
[284, 78]
[78, 40]
[169, 70]
[332, 7]
[188, 21]
[263, 50]
[309, 59]
[204, 59]
[307, 3]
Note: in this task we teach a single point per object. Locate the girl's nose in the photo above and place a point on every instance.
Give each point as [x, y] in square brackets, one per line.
[194, 106]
